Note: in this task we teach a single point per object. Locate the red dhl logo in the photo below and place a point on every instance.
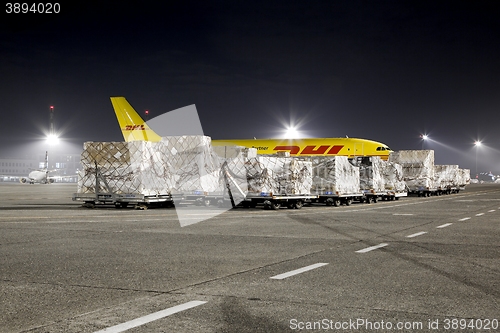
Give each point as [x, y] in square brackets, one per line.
[134, 128]
[310, 150]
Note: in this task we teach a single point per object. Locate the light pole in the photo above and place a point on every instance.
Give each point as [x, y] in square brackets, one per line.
[52, 138]
[477, 143]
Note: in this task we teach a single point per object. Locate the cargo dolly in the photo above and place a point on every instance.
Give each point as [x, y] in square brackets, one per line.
[120, 200]
[371, 196]
[336, 199]
[251, 200]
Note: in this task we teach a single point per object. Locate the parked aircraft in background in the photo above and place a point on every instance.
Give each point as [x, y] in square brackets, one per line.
[40, 175]
[486, 177]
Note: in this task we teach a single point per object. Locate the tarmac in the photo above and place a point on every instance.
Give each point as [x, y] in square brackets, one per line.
[413, 265]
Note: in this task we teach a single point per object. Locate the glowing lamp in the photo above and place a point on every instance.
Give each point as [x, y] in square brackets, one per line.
[52, 139]
[292, 132]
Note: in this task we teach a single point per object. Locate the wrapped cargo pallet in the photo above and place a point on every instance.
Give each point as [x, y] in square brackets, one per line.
[278, 175]
[418, 168]
[232, 160]
[463, 177]
[124, 167]
[193, 163]
[370, 173]
[392, 173]
[334, 174]
[174, 164]
[446, 176]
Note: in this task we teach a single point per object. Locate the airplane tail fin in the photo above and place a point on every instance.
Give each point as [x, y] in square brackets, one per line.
[133, 127]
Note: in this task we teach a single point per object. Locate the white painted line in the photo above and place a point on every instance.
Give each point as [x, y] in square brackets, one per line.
[479, 214]
[444, 225]
[402, 214]
[416, 234]
[465, 219]
[371, 248]
[491, 211]
[151, 317]
[298, 271]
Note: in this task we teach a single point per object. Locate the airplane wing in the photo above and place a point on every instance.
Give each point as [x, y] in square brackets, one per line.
[63, 177]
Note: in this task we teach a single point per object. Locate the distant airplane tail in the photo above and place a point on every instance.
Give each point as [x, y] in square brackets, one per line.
[133, 127]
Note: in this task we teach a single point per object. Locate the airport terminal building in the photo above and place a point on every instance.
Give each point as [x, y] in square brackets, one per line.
[12, 169]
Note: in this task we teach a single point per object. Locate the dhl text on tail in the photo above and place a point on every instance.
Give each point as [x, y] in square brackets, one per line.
[134, 128]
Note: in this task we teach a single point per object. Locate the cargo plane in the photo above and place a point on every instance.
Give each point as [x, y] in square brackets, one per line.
[134, 128]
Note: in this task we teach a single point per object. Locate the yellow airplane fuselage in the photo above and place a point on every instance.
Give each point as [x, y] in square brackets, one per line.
[134, 128]
[349, 147]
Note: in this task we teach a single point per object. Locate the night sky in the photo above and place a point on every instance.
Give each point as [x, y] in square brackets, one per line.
[382, 70]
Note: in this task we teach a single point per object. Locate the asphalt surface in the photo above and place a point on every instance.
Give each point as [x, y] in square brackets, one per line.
[435, 266]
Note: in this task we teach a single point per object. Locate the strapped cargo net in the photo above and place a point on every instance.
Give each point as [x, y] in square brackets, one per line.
[175, 164]
[113, 163]
[193, 163]
[232, 160]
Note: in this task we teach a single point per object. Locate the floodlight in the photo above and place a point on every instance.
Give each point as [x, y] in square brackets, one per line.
[52, 139]
[292, 132]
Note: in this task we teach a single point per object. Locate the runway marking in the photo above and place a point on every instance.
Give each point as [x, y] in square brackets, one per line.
[371, 248]
[444, 225]
[151, 317]
[479, 214]
[465, 219]
[491, 211]
[416, 234]
[402, 214]
[298, 271]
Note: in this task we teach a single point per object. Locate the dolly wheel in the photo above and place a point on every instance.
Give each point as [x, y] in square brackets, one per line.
[275, 205]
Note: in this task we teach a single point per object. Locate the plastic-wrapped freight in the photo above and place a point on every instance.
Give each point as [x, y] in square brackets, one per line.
[233, 160]
[446, 176]
[278, 175]
[334, 174]
[176, 164]
[392, 173]
[463, 177]
[193, 163]
[370, 173]
[418, 168]
[124, 167]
